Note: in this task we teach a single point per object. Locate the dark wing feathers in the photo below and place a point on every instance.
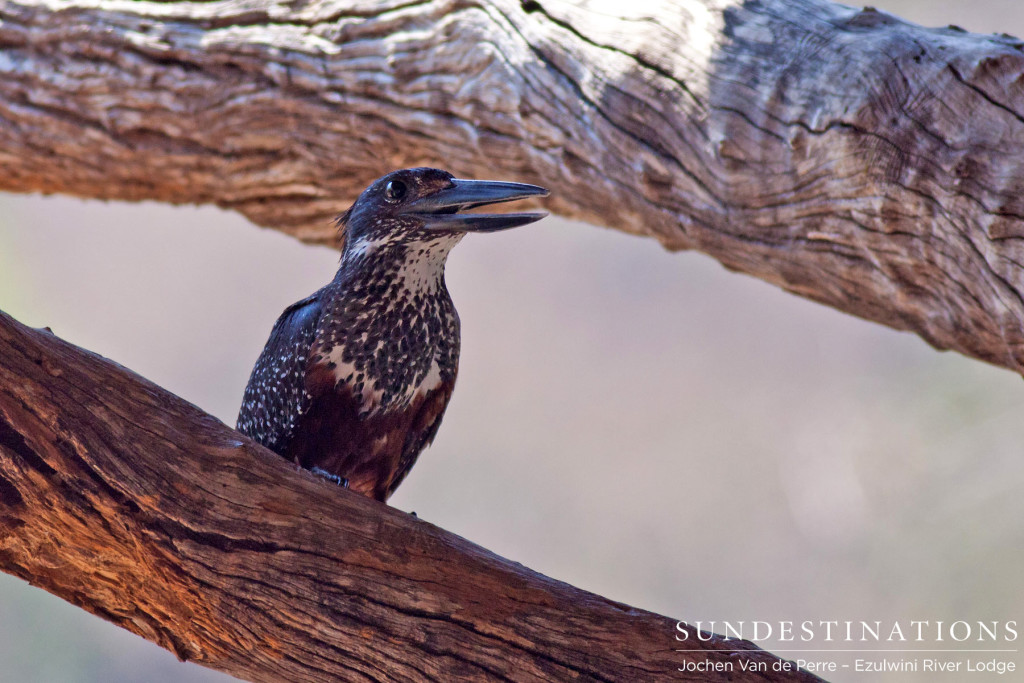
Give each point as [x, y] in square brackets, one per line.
[276, 396]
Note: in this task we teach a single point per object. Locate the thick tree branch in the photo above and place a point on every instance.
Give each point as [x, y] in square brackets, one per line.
[133, 504]
[843, 155]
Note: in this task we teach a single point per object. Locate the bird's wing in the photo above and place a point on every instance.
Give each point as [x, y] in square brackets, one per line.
[276, 396]
[422, 431]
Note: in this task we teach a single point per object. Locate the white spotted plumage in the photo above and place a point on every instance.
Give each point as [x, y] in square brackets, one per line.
[350, 330]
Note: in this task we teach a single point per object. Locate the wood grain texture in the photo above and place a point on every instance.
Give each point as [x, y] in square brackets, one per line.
[844, 155]
[136, 506]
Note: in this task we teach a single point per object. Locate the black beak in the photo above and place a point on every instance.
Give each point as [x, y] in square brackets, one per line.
[439, 210]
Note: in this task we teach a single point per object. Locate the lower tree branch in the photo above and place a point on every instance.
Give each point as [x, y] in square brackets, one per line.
[138, 507]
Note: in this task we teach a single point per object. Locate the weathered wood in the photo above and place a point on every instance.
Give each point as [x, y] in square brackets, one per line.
[844, 155]
[135, 505]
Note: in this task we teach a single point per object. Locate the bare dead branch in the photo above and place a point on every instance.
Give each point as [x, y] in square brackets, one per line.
[844, 155]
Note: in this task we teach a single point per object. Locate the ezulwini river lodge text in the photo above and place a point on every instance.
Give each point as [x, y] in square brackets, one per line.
[880, 665]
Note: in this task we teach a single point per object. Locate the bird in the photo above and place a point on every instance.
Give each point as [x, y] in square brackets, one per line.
[354, 379]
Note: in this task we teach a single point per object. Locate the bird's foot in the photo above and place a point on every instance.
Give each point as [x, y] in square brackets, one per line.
[340, 481]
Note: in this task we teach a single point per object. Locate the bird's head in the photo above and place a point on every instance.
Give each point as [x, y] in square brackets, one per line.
[427, 204]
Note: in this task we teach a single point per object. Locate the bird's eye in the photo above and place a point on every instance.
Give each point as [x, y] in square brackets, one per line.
[395, 190]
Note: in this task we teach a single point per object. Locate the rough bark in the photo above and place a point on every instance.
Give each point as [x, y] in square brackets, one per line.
[135, 505]
[843, 155]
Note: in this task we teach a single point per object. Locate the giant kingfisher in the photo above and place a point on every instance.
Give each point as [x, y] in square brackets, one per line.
[354, 380]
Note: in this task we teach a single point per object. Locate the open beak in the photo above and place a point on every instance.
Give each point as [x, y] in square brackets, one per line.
[439, 211]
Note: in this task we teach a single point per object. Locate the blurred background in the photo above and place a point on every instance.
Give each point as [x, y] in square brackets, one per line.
[640, 424]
